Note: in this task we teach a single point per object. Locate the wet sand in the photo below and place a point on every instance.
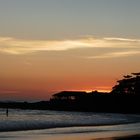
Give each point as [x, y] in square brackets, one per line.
[34, 135]
[114, 132]
[91, 137]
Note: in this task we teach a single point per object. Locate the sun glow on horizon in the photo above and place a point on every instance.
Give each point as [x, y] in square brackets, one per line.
[105, 89]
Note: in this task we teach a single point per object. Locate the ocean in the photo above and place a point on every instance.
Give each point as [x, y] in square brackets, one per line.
[37, 124]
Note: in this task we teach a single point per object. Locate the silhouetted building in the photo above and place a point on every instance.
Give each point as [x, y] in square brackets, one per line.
[68, 95]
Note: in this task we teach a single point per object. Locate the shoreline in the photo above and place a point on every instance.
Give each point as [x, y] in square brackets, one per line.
[75, 126]
[67, 127]
[73, 134]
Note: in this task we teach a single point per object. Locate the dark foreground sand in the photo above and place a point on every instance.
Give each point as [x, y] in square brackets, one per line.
[134, 137]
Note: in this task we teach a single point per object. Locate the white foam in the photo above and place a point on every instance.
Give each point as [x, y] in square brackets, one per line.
[32, 119]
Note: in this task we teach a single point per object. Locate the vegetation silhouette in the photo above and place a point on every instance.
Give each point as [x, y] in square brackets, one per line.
[124, 98]
[129, 85]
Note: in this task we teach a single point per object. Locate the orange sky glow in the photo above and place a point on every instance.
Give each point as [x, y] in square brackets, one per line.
[86, 64]
[47, 46]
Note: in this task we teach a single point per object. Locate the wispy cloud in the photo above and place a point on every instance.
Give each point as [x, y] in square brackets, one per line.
[115, 54]
[122, 39]
[18, 46]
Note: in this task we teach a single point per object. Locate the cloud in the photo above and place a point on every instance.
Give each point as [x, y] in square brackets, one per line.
[115, 54]
[122, 39]
[16, 46]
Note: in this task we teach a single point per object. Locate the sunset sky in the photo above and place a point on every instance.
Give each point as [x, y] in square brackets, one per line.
[51, 45]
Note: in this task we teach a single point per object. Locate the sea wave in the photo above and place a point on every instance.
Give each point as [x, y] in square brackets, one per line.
[32, 119]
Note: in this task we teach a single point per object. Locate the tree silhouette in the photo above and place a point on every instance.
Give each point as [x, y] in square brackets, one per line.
[130, 84]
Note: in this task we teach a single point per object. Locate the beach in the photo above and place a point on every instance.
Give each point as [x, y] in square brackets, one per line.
[64, 125]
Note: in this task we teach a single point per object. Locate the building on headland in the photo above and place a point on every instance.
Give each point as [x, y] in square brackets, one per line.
[68, 95]
[75, 95]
